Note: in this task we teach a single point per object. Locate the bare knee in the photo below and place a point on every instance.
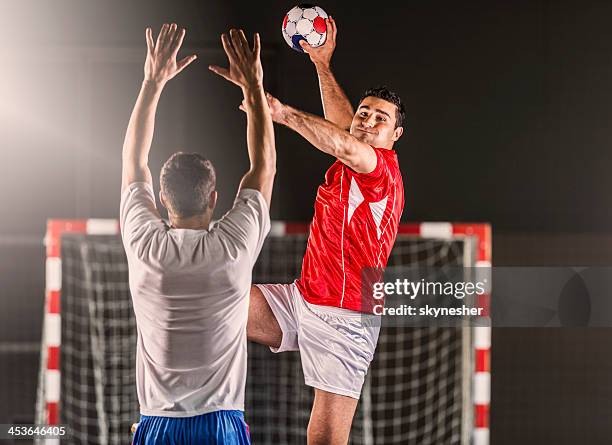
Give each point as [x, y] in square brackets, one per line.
[326, 435]
[331, 419]
[262, 326]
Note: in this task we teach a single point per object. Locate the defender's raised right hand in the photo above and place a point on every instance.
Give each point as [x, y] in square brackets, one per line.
[245, 68]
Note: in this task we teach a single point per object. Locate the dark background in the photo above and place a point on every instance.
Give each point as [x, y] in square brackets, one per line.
[508, 110]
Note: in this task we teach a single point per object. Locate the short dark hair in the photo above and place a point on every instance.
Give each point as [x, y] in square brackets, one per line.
[187, 180]
[385, 93]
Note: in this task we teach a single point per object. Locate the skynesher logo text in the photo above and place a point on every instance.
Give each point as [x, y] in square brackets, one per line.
[429, 311]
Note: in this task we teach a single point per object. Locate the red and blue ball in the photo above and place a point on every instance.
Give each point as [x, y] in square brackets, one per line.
[305, 22]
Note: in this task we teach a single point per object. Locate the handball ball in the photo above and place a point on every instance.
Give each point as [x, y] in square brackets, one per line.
[305, 22]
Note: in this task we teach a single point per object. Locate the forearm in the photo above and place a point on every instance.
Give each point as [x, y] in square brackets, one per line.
[336, 105]
[139, 135]
[329, 138]
[260, 142]
[260, 130]
[321, 133]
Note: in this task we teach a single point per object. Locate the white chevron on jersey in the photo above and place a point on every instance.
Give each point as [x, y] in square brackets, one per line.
[355, 199]
[377, 209]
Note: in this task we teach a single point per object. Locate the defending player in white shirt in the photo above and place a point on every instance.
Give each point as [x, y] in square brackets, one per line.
[190, 281]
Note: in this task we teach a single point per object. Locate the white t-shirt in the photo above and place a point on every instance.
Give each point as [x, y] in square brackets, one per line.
[190, 290]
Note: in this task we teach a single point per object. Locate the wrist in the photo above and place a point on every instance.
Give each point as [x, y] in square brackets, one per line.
[252, 89]
[286, 115]
[323, 65]
[153, 85]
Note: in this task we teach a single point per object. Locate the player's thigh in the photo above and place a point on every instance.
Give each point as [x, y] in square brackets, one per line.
[262, 326]
[331, 418]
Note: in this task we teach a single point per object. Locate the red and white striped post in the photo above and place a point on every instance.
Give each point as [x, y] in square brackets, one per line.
[52, 332]
[481, 334]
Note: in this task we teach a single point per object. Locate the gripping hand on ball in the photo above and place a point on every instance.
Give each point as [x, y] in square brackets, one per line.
[245, 68]
[322, 55]
[161, 64]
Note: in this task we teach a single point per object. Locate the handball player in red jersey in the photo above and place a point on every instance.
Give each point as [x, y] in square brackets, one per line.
[357, 212]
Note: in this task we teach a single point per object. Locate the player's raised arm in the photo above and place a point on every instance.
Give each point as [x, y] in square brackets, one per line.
[336, 106]
[245, 70]
[325, 136]
[160, 66]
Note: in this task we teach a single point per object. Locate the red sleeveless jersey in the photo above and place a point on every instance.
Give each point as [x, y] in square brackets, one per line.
[354, 227]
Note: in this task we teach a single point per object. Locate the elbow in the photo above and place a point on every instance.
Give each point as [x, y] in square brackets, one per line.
[270, 170]
[138, 160]
[344, 149]
[268, 164]
[265, 170]
[344, 152]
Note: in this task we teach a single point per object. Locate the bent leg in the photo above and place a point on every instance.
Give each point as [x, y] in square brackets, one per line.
[331, 418]
[262, 326]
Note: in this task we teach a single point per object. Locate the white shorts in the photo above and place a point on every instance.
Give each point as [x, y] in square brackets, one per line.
[336, 345]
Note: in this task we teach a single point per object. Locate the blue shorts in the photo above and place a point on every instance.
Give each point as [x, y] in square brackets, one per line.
[216, 428]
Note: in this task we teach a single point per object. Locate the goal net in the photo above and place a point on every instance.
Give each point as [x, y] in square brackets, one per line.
[419, 389]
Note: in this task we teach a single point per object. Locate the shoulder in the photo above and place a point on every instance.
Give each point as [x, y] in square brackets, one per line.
[388, 161]
[248, 219]
[385, 159]
[136, 189]
[251, 200]
[251, 196]
[387, 154]
[138, 214]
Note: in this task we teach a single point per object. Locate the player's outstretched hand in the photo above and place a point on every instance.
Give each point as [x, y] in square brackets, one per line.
[245, 68]
[322, 55]
[161, 65]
